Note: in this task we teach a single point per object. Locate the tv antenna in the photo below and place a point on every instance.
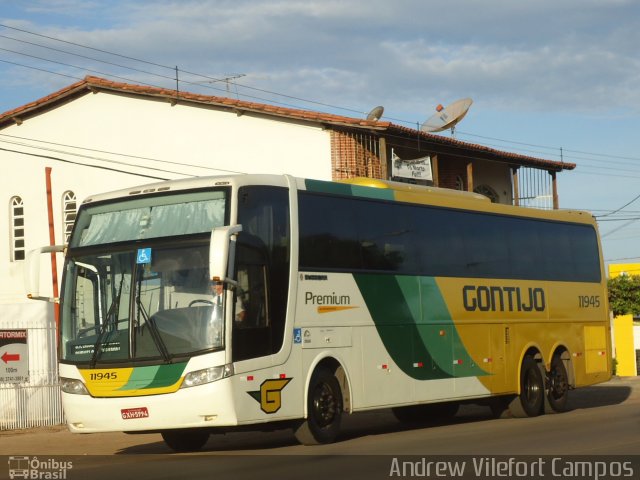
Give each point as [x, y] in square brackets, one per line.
[375, 114]
[447, 118]
[226, 79]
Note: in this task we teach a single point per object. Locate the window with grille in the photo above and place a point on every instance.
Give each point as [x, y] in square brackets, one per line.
[68, 214]
[16, 229]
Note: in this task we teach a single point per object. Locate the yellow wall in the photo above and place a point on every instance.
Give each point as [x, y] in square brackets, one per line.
[623, 328]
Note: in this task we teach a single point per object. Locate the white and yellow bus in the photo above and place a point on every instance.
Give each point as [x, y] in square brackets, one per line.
[337, 297]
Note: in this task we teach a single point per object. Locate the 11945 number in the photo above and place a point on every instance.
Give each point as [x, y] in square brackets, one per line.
[588, 301]
[103, 376]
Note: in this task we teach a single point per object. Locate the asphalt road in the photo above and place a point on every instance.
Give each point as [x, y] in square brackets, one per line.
[603, 420]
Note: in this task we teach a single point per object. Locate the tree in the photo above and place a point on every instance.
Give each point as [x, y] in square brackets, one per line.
[624, 294]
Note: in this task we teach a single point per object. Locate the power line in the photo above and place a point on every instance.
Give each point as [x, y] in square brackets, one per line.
[116, 162]
[84, 46]
[625, 205]
[74, 66]
[621, 259]
[39, 69]
[247, 87]
[137, 157]
[81, 56]
[184, 71]
[565, 150]
[216, 79]
[415, 148]
[58, 159]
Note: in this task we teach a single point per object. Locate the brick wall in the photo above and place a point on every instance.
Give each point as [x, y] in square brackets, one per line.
[355, 155]
[449, 171]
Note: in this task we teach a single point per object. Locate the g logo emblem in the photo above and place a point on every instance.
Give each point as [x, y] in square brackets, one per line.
[270, 394]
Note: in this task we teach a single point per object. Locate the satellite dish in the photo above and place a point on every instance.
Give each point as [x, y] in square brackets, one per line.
[376, 113]
[447, 118]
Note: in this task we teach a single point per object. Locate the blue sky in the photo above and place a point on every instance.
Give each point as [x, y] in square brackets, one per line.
[543, 75]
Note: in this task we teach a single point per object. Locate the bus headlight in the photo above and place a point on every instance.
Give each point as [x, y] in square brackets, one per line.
[207, 375]
[74, 386]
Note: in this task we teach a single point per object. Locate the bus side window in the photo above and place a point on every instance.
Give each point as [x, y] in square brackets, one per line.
[251, 297]
[251, 333]
[263, 212]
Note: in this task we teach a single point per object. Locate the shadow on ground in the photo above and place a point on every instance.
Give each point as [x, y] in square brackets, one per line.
[383, 422]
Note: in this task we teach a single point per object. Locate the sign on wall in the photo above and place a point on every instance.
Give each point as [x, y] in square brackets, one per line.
[14, 356]
[416, 168]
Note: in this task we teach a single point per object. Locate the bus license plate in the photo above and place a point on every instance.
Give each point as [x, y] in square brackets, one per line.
[129, 413]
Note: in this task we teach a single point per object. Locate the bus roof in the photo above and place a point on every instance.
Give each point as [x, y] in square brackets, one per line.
[402, 192]
[445, 197]
[420, 189]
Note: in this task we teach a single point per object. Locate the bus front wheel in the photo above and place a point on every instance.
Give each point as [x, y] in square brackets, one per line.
[530, 402]
[324, 410]
[185, 440]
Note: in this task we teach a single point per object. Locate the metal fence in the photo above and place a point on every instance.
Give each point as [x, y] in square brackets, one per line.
[37, 402]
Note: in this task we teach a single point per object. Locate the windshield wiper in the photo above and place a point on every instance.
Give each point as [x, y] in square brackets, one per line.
[110, 319]
[153, 328]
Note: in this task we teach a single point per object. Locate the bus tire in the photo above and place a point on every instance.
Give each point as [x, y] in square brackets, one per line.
[324, 410]
[530, 402]
[185, 440]
[558, 391]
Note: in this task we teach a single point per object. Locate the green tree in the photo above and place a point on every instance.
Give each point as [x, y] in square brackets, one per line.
[624, 294]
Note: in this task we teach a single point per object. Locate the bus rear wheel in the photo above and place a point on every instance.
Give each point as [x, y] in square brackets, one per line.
[185, 440]
[324, 410]
[558, 392]
[530, 402]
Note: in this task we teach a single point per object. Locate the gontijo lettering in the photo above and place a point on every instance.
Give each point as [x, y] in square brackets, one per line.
[501, 299]
[332, 299]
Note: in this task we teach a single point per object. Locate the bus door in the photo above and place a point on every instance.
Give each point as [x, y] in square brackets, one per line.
[263, 386]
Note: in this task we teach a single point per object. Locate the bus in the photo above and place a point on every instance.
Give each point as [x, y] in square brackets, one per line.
[336, 298]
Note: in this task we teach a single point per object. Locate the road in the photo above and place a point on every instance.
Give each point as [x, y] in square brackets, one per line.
[603, 420]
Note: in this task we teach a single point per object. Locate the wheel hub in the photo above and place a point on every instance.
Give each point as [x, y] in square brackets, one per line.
[558, 384]
[325, 405]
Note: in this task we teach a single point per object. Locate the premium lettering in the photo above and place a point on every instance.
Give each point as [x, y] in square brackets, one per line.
[502, 299]
[333, 299]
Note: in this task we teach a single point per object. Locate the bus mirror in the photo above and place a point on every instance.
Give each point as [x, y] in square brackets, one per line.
[221, 252]
[32, 271]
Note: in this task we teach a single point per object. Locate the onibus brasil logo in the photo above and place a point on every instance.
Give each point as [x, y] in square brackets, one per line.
[35, 468]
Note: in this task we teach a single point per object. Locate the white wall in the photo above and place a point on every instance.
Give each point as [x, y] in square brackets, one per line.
[497, 175]
[175, 141]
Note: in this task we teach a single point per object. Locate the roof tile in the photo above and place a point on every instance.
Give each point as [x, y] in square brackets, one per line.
[91, 83]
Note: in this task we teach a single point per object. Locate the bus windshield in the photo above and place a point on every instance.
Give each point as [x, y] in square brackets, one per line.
[127, 300]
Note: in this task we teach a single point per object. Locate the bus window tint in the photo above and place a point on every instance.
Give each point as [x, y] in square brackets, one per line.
[355, 234]
[382, 233]
[330, 234]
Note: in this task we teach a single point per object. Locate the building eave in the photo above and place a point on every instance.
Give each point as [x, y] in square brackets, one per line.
[437, 143]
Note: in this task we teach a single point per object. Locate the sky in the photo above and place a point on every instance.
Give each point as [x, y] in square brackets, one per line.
[550, 79]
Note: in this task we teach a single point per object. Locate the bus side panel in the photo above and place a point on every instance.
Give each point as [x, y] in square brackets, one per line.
[546, 317]
[405, 347]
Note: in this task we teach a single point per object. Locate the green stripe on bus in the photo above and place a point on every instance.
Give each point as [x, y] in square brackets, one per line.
[154, 376]
[415, 326]
[140, 377]
[348, 190]
[167, 375]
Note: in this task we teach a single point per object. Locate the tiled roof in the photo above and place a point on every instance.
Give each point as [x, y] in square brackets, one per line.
[92, 84]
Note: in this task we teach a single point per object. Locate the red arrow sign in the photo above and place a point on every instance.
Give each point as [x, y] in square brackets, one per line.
[7, 357]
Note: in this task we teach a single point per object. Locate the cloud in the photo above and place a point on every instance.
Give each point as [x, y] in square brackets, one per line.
[576, 55]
